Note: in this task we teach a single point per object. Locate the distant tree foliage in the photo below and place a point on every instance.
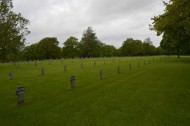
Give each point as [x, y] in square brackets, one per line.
[174, 25]
[132, 47]
[12, 31]
[108, 51]
[47, 48]
[70, 49]
[90, 45]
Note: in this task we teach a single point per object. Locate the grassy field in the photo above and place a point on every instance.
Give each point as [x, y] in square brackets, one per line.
[156, 94]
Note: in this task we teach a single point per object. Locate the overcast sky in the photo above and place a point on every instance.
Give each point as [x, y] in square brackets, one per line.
[113, 21]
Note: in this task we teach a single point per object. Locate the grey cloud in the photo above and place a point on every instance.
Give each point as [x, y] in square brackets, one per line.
[112, 20]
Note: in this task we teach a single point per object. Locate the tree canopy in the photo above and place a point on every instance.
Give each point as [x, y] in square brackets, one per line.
[47, 48]
[70, 47]
[174, 25]
[90, 44]
[13, 30]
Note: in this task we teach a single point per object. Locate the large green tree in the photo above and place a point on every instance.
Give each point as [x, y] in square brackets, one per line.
[131, 47]
[174, 25]
[70, 47]
[90, 45]
[147, 47]
[12, 30]
[49, 49]
[108, 50]
[31, 52]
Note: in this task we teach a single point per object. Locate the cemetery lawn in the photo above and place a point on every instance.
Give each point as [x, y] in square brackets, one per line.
[156, 94]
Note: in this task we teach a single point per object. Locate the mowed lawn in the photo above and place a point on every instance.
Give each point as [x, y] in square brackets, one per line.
[156, 94]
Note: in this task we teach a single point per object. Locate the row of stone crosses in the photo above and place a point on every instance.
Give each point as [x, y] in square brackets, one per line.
[20, 89]
[101, 71]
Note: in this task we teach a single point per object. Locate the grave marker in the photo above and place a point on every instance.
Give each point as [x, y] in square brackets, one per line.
[94, 63]
[72, 80]
[42, 71]
[10, 75]
[35, 63]
[138, 65]
[65, 67]
[129, 66]
[49, 62]
[81, 65]
[118, 69]
[20, 94]
[101, 74]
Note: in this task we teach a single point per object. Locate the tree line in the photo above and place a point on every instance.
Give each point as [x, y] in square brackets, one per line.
[173, 25]
[88, 46]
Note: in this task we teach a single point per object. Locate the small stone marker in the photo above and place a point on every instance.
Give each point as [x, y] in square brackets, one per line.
[72, 80]
[118, 69]
[101, 74]
[49, 62]
[81, 65]
[10, 75]
[20, 94]
[130, 66]
[35, 63]
[65, 67]
[15, 63]
[94, 63]
[42, 71]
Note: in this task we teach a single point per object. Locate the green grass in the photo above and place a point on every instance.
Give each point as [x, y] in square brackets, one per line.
[155, 94]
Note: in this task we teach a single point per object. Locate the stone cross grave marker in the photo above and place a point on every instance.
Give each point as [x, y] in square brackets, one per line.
[101, 74]
[35, 63]
[15, 63]
[118, 69]
[10, 75]
[20, 94]
[81, 65]
[42, 71]
[65, 67]
[49, 62]
[129, 66]
[72, 80]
